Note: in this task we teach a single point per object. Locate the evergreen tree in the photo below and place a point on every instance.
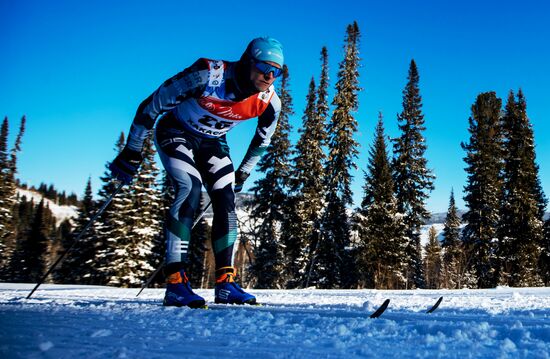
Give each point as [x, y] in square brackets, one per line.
[453, 258]
[24, 215]
[333, 265]
[432, 262]
[13, 156]
[309, 179]
[6, 224]
[300, 211]
[133, 256]
[54, 240]
[380, 226]
[28, 262]
[78, 265]
[413, 180]
[159, 248]
[521, 228]
[483, 189]
[270, 198]
[111, 226]
[544, 261]
[310, 151]
[8, 194]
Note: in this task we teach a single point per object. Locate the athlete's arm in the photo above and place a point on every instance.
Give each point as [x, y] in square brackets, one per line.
[267, 123]
[190, 82]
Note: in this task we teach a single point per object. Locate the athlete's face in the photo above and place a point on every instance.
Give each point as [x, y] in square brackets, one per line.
[260, 80]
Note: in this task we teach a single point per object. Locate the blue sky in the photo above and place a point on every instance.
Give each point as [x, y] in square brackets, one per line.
[78, 70]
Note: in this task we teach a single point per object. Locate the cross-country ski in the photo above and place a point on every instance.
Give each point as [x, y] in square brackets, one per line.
[435, 306]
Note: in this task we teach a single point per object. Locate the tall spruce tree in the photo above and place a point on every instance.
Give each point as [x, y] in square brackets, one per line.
[270, 198]
[8, 194]
[112, 225]
[301, 201]
[432, 261]
[78, 265]
[521, 227]
[413, 179]
[6, 224]
[453, 256]
[333, 265]
[313, 191]
[133, 256]
[483, 189]
[309, 178]
[380, 226]
[166, 200]
[544, 261]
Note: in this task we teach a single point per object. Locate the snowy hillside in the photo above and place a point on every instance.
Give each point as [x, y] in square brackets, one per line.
[61, 213]
[101, 322]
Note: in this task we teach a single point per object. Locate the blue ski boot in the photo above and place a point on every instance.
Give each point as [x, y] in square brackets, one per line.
[228, 291]
[179, 292]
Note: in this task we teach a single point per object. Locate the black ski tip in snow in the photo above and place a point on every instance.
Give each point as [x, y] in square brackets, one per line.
[380, 309]
[435, 306]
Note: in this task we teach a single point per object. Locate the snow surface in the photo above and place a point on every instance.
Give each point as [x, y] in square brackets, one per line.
[62, 321]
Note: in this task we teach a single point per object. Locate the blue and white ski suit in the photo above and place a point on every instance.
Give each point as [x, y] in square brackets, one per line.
[197, 107]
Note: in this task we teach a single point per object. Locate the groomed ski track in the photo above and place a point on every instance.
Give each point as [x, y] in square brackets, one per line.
[104, 322]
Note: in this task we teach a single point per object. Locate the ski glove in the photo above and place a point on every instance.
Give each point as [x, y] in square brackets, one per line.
[240, 178]
[125, 165]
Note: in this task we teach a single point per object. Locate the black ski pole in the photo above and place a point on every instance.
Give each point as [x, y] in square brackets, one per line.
[60, 258]
[152, 276]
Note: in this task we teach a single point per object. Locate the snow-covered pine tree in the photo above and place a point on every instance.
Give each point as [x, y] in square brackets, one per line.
[111, 226]
[310, 164]
[332, 264]
[432, 261]
[133, 255]
[78, 265]
[483, 189]
[308, 177]
[413, 180]
[167, 198]
[300, 206]
[270, 198]
[544, 261]
[6, 224]
[322, 108]
[453, 255]
[521, 227]
[380, 227]
[8, 195]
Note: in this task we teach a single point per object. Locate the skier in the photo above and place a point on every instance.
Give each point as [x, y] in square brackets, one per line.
[197, 107]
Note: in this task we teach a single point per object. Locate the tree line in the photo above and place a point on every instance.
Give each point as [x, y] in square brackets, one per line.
[51, 193]
[301, 230]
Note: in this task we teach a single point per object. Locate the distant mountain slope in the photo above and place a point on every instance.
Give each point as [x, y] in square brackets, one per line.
[61, 213]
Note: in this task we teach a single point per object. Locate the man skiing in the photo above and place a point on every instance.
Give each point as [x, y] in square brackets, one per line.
[197, 107]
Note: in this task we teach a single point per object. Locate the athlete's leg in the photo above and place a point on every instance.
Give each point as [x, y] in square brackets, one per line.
[217, 168]
[176, 153]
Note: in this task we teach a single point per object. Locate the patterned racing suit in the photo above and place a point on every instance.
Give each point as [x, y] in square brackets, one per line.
[197, 107]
